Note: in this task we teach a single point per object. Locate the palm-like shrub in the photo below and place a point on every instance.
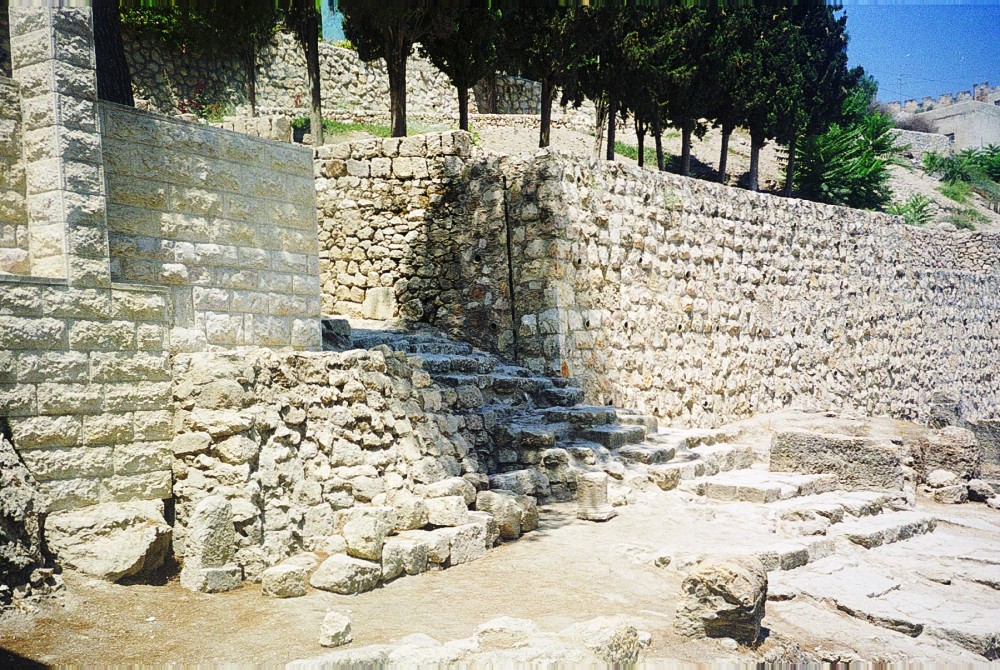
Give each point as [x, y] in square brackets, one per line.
[917, 210]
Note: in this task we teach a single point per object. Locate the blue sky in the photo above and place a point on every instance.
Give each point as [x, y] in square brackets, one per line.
[914, 50]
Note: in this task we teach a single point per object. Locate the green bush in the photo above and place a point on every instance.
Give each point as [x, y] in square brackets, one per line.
[331, 127]
[917, 210]
[849, 163]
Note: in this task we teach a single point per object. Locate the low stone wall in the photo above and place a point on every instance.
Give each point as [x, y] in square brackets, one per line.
[302, 443]
[13, 214]
[171, 82]
[414, 228]
[700, 303]
[85, 389]
[227, 221]
[922, 143]
[276, 128]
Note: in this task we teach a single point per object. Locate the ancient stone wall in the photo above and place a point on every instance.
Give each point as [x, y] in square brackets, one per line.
[414, 228]
[922, 143]
[700, 303]
[85, 387]
[226, 221]
[13, 215]
[301, 443]
[173, 82]
[981, 92]
[514, 95]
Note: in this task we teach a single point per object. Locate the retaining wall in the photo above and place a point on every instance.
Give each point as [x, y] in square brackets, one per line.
[226, 221]
[683, 298]
[169, 81]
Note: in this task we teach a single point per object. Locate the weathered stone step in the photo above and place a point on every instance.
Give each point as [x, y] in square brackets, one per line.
[633, 418]
[760, 486]
[557, 397]
[885, 528]
[615, 436]
[707, 461]
[838, 505]
[587, 453]
[526, 435]
[648, 454]
[583, 416]
[796, 553]
[437, 364]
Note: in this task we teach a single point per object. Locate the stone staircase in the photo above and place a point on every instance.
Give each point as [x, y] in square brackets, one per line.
[541, 438]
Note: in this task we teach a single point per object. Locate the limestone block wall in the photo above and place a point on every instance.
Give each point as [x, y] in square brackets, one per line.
[170, 81]
[85, 389]
[13, 213]
[225, 220]
[414, 228]
[300, 443]
[514, 95]
[700, 303]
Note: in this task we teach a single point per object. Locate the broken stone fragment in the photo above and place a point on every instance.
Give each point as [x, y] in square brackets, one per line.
[365, 535]
[724, 597]
[112, 541]
[612, 639]
[980, 491]
[952, 495]
[335, 631]
[401, 555]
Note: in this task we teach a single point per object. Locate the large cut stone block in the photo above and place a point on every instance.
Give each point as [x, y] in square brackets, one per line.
[724, 597]
[858, 462]
[345, 575]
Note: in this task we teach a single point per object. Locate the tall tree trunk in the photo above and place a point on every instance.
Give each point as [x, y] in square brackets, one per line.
[686, 129]
[612, 126]
[790, 168]
[463, 108]
[548, 92]
[395, 64]
[756, 144]
[658, 137]
[727, 132]
[114, 80]
[310, 37]
[602, 119]
[640, 136]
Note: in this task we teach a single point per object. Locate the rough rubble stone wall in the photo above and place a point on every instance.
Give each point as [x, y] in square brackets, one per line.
[85, 386]
[227, 221]
[414, 228]
[922, 143]
[514, 95]
[13, 214]
[700, 303]
[298, 442]
[168, 81]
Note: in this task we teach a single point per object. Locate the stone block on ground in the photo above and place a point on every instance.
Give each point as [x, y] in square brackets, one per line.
[857, 462]
[112, 541]
[938, 479]
[468, 543]
[284, 581]
[209, 548]
[346, 575]
[592, 497]
[724, 597]
[952, 495]
[954, 449]
[508, 510]
[980, 491]
[365, 534]
[335, 631]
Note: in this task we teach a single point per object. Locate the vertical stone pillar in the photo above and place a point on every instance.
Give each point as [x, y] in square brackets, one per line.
[592, 497]
[53, 58]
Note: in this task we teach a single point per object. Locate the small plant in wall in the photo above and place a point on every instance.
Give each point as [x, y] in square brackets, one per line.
[199, 104]
[917, 210]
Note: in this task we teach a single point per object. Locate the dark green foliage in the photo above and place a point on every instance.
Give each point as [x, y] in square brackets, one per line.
[467, 51]
[968, 171]
[849, 163]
